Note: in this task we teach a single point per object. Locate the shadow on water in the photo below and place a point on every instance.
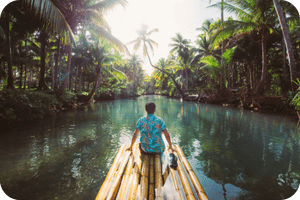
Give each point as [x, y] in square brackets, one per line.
[235, 154]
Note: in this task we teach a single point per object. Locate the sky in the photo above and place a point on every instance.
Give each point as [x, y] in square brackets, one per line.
[169, 16]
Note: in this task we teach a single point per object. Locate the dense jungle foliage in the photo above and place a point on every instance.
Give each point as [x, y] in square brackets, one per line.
[51, 49]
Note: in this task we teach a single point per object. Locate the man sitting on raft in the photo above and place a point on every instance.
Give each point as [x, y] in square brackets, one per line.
[151, 128]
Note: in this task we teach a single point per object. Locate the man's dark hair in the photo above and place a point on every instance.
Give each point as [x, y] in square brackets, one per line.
[150, 107]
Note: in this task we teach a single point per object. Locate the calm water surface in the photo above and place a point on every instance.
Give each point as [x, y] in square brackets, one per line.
[236, 154]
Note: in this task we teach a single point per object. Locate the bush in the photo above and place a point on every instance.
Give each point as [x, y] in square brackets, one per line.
[104, 94]
[296, 100]
[26, 105]
[69, 97]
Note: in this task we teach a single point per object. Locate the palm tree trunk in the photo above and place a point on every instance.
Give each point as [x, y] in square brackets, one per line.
[56, 64]
[21, 72]
[163, 71]
[98, 69]
[288, 43]
[52, 75]
[260, 90]
[66, 78]
[222, 79]
[76, 79]
[25, 74]
[30, 79]
[80, 79]
[25, 67]
[284, 82]
[10, 79]
[71, 83]
[187, 79]
[42, 83]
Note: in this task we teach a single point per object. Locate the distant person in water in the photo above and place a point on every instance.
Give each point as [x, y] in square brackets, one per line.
[151, 128]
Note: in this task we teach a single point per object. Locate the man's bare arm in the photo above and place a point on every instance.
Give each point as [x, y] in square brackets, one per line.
[167, 135]
[135, 134]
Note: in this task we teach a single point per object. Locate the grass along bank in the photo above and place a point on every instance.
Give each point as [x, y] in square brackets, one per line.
[19, 106]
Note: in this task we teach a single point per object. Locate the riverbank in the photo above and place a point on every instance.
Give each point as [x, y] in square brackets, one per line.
[22, 107]
[265, 104]
[19, 107]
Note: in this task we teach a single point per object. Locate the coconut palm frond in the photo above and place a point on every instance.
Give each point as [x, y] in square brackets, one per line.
[228, 54]
[232, 42]
[153, 31]
[98, 30]
[134, 41]
[109, 4]
[231, 28]
[137, 45]
[210, 60]
[2, 33]
[152, 42]
[150, 46]
[119, 74]
[95, 17]
[231, 8]
[47, 10]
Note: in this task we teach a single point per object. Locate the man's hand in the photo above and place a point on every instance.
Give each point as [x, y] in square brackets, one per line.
[172, 148]
[129, 148]
[135, 134]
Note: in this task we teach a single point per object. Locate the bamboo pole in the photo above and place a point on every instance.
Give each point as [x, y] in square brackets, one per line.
[175, 181]
[151, 179]
[105, 186]
[158, 177]
[136, 176]
[185, 182]
[165, 175]
[127, 174]
[115, 187]
[200, 191]
[144, 178]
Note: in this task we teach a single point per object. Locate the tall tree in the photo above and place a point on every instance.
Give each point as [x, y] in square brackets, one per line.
[134, 62]
[52, 20]
[222, 66]
[161, 78]
[288, 43]
[10, 83]
[182, 47]
[252, 15]
[43, 40]
[144, 41]
[74, 13]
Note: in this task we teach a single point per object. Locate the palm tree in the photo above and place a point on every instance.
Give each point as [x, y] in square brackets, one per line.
[74, 13]
[288, 43]
[98, 55]
[204, 46]
[144, 41]
[161, 78]
[252, 15]
[182, 48]
[222, 44]
[135, 63]
[10, 83]
[15, 26]
[90, 15]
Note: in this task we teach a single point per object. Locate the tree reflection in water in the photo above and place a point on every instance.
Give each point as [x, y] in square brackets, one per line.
[235, 154]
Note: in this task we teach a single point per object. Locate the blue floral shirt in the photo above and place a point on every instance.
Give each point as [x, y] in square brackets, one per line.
[151, 127]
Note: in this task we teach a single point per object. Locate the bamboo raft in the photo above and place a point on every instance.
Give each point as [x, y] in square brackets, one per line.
[136, 176]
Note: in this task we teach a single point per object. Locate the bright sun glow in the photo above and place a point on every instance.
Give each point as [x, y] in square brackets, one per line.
[169, 16]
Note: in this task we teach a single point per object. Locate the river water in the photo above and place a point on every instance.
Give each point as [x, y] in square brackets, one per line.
[236, 154]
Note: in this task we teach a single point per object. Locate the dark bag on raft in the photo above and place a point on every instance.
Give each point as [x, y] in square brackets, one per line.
[173, 161]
